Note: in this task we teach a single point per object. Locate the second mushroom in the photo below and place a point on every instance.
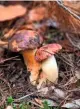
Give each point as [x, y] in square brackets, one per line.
[39, 60]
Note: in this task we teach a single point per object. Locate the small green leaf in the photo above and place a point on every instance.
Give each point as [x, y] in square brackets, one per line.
[14, 106]
[22, 106]
[10, 100]
[45, 105]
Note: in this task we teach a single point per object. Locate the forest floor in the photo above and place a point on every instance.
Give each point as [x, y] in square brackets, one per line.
[15, 87]
[14, 78]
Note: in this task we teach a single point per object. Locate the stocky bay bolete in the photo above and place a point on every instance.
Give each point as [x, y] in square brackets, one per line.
[27, 43]
[35, 57]
[45, 55]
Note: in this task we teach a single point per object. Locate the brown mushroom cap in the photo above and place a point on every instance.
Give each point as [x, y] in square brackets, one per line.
[47, 51]
[25, 40]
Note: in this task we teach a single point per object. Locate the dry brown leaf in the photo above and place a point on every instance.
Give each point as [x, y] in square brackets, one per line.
[74, 104]
[37, 14]
[11, 12]
[50, 102]
[66, 21]
[73, 6]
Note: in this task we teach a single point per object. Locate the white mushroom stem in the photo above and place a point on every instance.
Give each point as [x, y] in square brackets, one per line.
[50, 69]
[9, 107]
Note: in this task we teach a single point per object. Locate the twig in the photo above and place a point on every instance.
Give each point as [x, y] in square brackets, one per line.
[75, 45]
[66, 61]
[8, 59]
[30, 94]
[36, 104]
[3, 97]
[73, 90]
[71, 80]
[63, 101]
[3, 43]
[7, 83]
[60, 58]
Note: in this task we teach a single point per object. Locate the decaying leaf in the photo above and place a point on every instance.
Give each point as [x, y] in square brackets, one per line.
[59, 93]
[1, 54]
[77, 73]
[74, 6]
[73, 104]
[37, 14]
[66, 21]
[11, 12]
[49, 102]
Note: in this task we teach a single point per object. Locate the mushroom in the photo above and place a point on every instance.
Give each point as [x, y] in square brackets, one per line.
[49, 67]
[27, 42]
[36, 57]
[9, 107]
